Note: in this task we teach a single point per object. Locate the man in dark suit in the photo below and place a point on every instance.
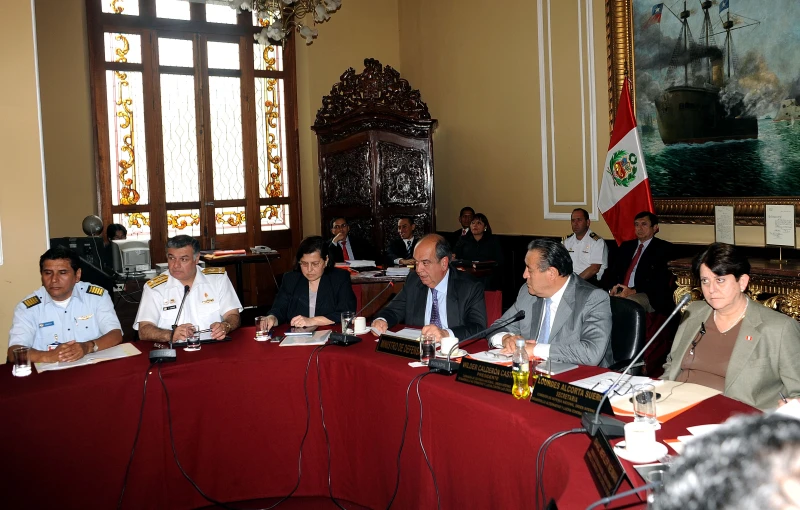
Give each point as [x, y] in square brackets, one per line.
[346, 247]
[441, 300]
[465, 218]
[566, 318]
[401, 251]
[639, 269]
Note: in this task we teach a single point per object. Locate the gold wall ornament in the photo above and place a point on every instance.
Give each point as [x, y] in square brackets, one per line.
[128, 195]
[117, 8]
[232, 218]
[182, 220]
[269, 212]
[274, 187]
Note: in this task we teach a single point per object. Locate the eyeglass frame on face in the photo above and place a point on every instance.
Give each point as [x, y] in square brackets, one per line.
[311, 265]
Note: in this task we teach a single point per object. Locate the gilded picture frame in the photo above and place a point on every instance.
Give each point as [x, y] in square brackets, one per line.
[748, 210]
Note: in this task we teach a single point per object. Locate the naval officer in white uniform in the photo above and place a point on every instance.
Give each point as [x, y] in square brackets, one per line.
[587, 249]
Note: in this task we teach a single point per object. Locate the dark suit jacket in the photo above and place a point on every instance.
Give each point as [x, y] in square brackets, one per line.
[334, 296]
[397, 250]
[456, 236]
[466, 308]
[652, 276]
[362, 250]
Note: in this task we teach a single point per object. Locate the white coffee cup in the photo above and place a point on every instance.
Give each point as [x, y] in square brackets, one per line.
[360, 324]
[447, 343]
[639, 436]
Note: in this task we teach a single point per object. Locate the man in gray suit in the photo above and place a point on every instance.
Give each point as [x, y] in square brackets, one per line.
[566, 319]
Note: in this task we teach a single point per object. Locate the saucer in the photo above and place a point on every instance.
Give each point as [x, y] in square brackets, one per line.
[458, 353]
[362, 331]
[652, 454]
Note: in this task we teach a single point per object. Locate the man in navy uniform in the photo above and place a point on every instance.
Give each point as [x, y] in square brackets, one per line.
[65, 319]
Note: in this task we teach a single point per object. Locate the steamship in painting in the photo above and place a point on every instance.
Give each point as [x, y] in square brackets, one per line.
[697, 108]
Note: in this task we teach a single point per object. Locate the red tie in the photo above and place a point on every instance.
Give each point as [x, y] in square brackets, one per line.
[633, 264]
[344, 251]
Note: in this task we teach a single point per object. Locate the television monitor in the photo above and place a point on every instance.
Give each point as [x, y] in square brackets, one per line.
[130, 255]
[89, 249]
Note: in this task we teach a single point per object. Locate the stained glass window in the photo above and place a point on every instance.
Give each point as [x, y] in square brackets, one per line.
[137, 224]
[183, 222]
[271, 137]
[275, 217]
[230, 220]
[226, 137]
[123, 47]
[174, 9]
[175, 52]
[126, 134]
[223, 55]
[221, 14]
[179, 134]
[127, 7]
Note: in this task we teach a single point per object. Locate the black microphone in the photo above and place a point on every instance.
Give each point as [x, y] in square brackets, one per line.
[447, 367]
[343, 338]
[612, 427]
[169, 354]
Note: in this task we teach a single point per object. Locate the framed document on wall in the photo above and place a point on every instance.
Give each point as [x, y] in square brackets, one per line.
[724, 226]
[779, 225]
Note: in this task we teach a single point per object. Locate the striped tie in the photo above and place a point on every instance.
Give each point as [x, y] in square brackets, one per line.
[435, 319]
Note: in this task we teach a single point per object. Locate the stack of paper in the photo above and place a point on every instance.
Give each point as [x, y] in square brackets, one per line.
[318, 338]
[116, 352]
[361, 263]
[398, 271]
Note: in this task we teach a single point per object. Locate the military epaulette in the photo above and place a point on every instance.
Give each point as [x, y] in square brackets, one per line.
[94, 289]
[595, 236]
[567, 237]
[213, 270]
[32, 301]
[158, 280]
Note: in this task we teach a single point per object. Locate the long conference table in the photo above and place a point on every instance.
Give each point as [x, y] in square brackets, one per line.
[238, 412]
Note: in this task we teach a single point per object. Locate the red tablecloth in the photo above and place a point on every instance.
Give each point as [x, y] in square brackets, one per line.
[238, 413]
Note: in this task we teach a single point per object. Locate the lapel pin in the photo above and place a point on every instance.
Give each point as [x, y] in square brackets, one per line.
[749, 338]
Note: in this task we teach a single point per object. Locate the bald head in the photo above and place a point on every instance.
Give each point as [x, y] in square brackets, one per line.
[432, 257]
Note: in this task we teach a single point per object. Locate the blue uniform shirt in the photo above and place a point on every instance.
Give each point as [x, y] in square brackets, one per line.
[39, 322]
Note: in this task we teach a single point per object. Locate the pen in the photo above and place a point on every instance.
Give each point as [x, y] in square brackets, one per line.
[783, 398]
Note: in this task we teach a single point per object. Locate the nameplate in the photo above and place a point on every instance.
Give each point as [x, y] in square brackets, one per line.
[605, 467]
[567, 398]
[486, 375]
[402, 347]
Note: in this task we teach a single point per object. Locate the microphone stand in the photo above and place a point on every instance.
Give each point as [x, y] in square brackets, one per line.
[343, 339]
[169, 354]
[448, 367]
[612, 427]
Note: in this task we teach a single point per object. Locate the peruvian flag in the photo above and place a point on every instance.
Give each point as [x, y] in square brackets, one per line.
[625, 191]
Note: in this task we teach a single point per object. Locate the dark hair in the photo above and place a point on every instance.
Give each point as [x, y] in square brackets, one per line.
[182, 241]
[59, 253]
[740, 466]
[584, 211]
[409, 218]
[470, 209]
[333, 220]
[111, 231]
[484, 220]
[722, 259]
[553, 254]
[647, 214]
[311, 245]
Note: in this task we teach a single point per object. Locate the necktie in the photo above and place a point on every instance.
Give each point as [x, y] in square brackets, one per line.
[635, 261]
[544, 334]
[464, 231]
[408, 249]
[344, 251]
[435, 319]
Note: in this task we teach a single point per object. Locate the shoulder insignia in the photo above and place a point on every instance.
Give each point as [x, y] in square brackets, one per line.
[94, 289]
[158, 280]
[572, 234]
[32, 301]
[213, 270]
[595, 236]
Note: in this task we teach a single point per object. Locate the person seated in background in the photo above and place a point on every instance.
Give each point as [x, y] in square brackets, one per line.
[482, 246]
[401, 251]
[441, 300]
[729, 342]
[344, 247]
[639, 270]
[587, 249]
[566, 318]
[211, 302]
[750, 462]
[65, 319]
[465, 218]
[314, 294]
[114, 232]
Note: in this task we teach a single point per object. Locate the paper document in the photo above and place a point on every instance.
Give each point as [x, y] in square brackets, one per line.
[492, 356]
[601, 383]
[673, 398]
[116, 352]
[409, 333]
[318, 338]
[398, 271]
[361, 263]
[791, 410]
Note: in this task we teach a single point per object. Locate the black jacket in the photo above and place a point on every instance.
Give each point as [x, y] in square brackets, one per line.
[397, 250]
[362, 250]
[652, 275]
[334, 296]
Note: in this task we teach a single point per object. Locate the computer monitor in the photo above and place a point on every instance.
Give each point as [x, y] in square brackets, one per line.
[89, 249]
[130, 255]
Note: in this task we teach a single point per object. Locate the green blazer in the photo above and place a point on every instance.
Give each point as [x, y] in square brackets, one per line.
[759, 368]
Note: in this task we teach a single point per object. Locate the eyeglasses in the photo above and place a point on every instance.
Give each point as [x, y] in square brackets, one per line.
[312, 265]
[607, 385]
[339, 227]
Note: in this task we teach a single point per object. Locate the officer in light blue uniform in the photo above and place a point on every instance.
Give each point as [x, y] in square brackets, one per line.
[65, 319]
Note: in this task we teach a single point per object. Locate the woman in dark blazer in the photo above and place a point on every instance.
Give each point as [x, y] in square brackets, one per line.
[482, 246]
[313, 294]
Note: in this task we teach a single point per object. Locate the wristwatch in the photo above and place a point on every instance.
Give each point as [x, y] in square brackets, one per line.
[95, 348]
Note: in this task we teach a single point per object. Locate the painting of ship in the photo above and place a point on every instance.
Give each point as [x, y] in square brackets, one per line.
[697, 108]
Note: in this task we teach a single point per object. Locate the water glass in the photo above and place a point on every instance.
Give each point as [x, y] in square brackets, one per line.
[656, 477]
[644, 404]
[427, 348]
[347, 322]
[22, 362]
[193, 342]
[262, 331]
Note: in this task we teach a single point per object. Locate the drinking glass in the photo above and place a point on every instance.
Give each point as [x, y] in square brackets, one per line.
[427, 348]
[656, 477]
[22, 362]
[644, 404]
[347, 322]
[262, 331]
[193, 342]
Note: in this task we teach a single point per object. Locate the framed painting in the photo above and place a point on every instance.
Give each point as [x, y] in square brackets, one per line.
[717, 101]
